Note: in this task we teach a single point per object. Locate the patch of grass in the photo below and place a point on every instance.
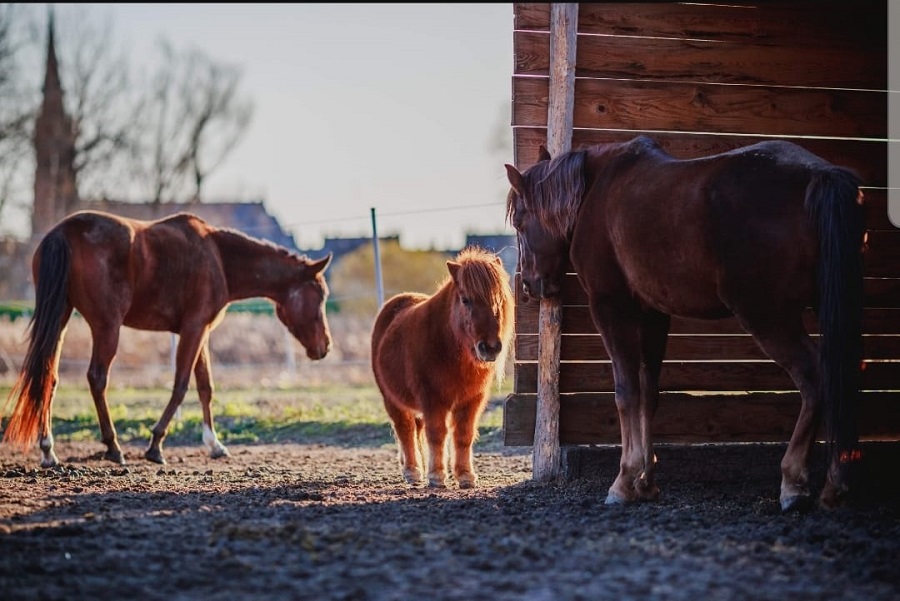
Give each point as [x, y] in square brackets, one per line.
[334, 415]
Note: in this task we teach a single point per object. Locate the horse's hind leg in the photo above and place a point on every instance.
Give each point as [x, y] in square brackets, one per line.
[788, 344]
[105, 343]
[45, 442]
[203, 375]
[407, 429]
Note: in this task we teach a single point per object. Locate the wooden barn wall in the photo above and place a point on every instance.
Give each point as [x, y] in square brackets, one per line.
[701, 79]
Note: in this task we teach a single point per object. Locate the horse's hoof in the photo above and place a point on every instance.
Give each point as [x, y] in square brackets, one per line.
[647, 493]
[437, 483]
[155, 455]
[833, 498]
[219, 452]
[50, 460]
[115, 456]
[799, 503]
[613, 498]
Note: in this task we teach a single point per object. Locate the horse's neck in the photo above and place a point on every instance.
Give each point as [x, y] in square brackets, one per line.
[252, 268]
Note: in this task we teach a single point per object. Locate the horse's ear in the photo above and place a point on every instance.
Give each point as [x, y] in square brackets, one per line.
[543, 153]
[515, 179]
[453, 267]
[321, 264]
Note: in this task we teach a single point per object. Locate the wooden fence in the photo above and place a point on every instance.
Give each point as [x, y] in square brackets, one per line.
[701, 79]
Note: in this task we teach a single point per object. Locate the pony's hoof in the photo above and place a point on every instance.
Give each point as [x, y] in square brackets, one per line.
[412, 477]
[467, 481]
[798, 503]
[436, 483]
[155, 455]
[219, 452]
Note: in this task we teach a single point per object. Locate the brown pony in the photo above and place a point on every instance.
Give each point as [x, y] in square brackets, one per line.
[177, 274]
[760, 232]
[434, 358]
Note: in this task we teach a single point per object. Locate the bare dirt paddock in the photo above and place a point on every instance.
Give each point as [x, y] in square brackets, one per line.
[297, 521]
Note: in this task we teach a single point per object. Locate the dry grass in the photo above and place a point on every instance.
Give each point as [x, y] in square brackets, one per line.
[248, 352]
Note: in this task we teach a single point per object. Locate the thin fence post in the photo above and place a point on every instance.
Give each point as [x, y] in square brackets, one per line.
[379, 283]
[563, 36]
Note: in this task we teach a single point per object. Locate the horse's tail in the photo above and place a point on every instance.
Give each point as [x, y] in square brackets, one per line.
[835, 203]
[38, 375]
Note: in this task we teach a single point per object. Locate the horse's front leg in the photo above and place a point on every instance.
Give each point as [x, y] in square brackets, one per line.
[654, 335]
[465, 428]
[620, 330]
[189, 343]
[203, 377]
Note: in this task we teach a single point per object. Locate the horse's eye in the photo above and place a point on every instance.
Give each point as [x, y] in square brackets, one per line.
[466, 301]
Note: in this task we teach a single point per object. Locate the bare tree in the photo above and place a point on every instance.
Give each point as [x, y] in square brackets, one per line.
[100, 99]
[18, 105]
[196, 116]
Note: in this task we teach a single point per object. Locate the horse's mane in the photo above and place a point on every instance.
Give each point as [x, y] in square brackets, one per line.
[236, 238]
[483, 277]
[554, 190]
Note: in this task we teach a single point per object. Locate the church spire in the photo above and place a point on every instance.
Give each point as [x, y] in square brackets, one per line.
[55, 190]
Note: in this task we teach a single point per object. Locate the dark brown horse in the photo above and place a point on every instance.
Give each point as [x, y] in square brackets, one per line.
[178, 274]
[761, 232]
[434, 358]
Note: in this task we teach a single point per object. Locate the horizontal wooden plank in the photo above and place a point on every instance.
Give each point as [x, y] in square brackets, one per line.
[881, 293]
[688, 347]
[692, 60]
[681, 376]
[674, 106]
[591, 418]
[867, 157]
[576, 319]
[840, 24]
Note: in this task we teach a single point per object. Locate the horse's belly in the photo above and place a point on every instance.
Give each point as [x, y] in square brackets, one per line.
[683, 296]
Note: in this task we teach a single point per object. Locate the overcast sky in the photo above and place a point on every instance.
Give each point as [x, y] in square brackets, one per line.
[391, 106]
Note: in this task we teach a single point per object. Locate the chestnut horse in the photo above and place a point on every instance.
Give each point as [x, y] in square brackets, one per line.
[760, 232]
[177, 274]
[434, 358]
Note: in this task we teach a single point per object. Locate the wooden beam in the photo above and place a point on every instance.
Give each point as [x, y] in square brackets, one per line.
[563, 35]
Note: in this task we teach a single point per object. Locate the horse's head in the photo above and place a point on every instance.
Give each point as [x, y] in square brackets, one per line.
[303, 308]
[541, 206]
[482, 310]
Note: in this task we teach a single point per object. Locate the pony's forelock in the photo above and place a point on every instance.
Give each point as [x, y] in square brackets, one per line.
[483, 277]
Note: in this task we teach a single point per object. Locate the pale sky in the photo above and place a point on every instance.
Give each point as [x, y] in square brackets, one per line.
[390, 106]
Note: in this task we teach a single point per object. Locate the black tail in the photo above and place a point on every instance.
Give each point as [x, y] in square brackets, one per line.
[38, 375]
[834, 201]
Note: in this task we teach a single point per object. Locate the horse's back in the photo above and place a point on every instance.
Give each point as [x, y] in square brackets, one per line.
[692, 235]
[143, 273]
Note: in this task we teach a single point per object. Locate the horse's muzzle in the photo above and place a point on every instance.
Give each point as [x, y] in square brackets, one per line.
[319, 352]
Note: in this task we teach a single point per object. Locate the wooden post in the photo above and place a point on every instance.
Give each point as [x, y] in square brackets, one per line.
[563, 36]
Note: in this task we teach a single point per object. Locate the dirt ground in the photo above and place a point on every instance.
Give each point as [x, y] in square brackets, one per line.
[297, 521]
